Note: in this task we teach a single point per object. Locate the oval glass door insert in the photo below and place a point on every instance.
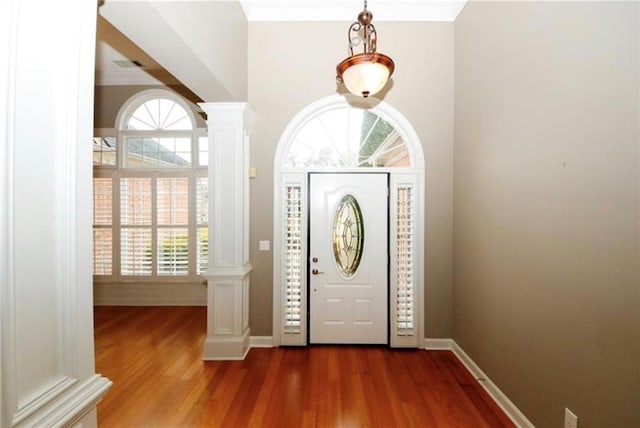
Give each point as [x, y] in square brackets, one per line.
[348, 235]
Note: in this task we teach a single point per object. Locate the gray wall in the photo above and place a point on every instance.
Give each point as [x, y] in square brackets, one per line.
[286, 73]
[546, 286]
[292, 65]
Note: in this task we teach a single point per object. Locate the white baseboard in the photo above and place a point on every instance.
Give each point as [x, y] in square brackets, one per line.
[261, 342]
[438, 344]
[139, 294]
[507, 406]
[72, 406]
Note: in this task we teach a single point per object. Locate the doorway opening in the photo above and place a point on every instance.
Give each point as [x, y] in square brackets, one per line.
[343, 138]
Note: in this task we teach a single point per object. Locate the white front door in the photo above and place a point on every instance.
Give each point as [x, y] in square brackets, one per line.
[348, 258]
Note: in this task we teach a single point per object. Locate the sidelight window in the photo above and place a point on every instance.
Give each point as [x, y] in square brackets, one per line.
[293, 258]
[405, 245]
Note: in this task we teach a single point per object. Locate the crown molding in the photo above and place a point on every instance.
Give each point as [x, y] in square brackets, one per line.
[342, 10]
[336, 10]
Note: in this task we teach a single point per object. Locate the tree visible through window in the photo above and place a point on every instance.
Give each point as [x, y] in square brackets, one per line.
[151, 195]
[347, 138]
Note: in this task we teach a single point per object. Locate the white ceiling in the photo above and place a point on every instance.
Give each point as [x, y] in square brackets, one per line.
[112, 46]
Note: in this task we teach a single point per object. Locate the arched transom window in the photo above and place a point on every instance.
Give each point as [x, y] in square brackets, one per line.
[347, 137]
[159, 114]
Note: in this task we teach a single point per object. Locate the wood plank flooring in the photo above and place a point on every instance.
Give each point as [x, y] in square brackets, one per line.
[153, 356]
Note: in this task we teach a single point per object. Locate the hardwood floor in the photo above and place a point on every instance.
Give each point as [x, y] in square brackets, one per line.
[153, 356]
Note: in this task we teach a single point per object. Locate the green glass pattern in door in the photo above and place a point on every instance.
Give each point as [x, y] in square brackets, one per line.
[348, 236]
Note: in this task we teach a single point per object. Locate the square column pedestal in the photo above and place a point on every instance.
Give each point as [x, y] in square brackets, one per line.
[228, 269]
[227, 315]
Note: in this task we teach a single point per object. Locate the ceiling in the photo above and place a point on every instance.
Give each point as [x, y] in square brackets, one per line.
[115, 53]
[114, 56]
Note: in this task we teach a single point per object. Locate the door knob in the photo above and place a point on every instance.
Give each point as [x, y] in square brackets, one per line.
[316, 272]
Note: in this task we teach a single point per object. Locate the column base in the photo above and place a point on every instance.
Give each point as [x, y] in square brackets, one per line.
[221, 348]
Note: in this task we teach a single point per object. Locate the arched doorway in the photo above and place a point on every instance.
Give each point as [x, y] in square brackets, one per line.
[347, 138]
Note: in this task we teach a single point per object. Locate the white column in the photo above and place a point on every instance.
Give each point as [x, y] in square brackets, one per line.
[229, 267]
[47, 374]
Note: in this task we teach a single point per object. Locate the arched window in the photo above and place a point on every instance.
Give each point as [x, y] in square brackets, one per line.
[159, 114]
[150, 193]
[347, 137]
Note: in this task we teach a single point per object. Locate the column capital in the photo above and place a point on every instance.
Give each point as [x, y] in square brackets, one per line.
[228, 112]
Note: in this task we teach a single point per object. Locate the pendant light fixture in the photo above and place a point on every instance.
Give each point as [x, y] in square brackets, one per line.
[365, 73]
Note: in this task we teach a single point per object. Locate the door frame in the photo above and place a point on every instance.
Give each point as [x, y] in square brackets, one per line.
[410, 180]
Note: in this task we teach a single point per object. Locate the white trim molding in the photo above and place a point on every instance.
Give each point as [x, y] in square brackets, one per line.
[438, 344]
[149, 294]
[77, 403]
[345, 10]
[261, 342]
[8, 55]
[337, 10]
[507, 406]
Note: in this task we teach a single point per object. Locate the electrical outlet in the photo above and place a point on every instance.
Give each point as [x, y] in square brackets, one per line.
[570, 419]
[264, 245]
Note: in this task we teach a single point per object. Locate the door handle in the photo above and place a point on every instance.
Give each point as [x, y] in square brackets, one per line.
[316, 272]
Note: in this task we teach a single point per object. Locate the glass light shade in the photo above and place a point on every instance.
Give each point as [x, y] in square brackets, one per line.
[365, 74]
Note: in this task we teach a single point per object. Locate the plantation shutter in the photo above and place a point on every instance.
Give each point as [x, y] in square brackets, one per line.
[404, 273]
[172, 196]
[202, 221]
[293, 265]
[136, 201]
[103, 226]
